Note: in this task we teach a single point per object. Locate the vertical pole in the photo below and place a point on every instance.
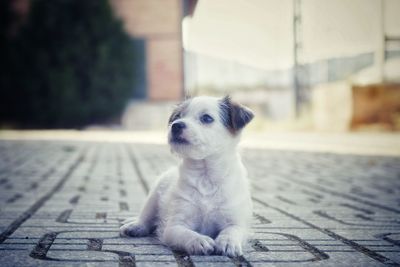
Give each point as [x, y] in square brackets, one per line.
[296, 85]
[379, 55]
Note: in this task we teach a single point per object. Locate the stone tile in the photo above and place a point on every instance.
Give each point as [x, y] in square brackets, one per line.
[61, 203]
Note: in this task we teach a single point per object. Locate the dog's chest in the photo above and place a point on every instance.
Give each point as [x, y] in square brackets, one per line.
[212, 200]
[212, 214]
[212, 208]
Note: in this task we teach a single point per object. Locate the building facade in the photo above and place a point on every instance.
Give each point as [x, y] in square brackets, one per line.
[158, 24]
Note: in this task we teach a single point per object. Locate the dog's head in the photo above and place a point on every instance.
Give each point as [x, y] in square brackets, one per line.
[203, 126]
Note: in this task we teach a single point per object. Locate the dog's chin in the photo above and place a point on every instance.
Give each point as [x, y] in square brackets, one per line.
[187, 150]
[178, 141]
[178, 146]
[184, 148]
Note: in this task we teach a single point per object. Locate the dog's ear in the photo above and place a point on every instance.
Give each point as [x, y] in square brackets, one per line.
[234, 116]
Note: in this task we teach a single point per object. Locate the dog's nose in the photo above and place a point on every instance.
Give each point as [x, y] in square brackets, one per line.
[177, 127]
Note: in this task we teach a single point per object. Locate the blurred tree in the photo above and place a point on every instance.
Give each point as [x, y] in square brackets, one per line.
[69, 65]
[6, 19]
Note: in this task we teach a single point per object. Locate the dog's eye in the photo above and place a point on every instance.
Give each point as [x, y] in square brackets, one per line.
[206, 119]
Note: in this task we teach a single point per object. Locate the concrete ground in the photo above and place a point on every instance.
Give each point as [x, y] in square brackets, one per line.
[62, 201]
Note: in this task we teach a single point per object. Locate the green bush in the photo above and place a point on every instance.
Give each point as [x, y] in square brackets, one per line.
[69, 65]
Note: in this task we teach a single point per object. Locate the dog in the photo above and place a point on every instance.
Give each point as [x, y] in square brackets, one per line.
[202, 206]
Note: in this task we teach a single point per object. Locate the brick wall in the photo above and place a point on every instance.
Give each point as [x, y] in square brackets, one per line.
[159, 23]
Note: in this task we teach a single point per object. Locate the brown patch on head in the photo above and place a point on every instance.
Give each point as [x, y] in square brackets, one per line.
[233, 115]
[178, 111]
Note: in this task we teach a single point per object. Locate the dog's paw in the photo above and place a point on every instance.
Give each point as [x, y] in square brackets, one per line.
[133, 229]
[228, 246]
[200, 245]
[129, 220]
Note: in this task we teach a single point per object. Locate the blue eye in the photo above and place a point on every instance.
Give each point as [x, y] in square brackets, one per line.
[206, 119]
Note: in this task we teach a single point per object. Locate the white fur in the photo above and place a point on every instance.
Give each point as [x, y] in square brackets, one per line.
[203, 205]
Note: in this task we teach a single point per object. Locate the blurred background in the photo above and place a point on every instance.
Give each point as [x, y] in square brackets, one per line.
[301, 65]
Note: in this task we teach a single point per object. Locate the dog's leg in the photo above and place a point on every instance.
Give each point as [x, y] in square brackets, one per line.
[146, 222]
[182, 238]
[229, 241]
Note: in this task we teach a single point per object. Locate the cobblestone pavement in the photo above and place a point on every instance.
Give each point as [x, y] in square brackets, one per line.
[62, 204]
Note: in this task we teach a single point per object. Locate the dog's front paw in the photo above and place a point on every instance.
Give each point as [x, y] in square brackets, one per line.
[228, 246]
[129, 220]
[133, 229]
[200, 245]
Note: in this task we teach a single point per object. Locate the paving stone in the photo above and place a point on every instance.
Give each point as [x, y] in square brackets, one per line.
[61, 204]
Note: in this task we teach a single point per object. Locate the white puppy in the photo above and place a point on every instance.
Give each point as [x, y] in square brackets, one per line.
[203, 205]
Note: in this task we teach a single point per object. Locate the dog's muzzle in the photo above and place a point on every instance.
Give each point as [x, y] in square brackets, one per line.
[177, 128]
[176, 132]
